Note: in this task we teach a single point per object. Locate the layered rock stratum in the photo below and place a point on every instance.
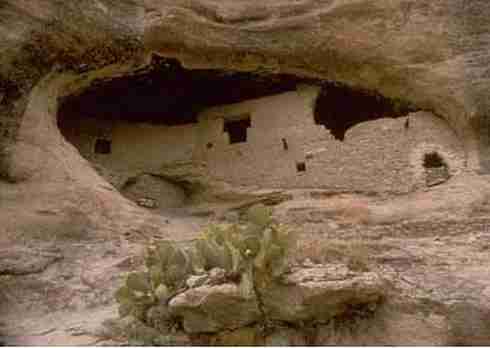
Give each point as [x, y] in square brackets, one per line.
[67, 236]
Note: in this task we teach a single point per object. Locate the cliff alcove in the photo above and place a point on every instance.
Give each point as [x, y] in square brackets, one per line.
[362, 124]
[166, 136]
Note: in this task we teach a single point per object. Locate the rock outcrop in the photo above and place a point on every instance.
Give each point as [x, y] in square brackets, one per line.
[215, 308]
[429, 246]
[22, 261]
[320, 293]
[378, 45]
[256, 288]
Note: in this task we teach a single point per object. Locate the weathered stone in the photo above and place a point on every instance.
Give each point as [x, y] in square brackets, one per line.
[214, 308]
[434, 54]
[246, 336]
[147, 203]
[22, 260]
[196, 281]
[216, 276]
[319, 293]
[286, 337]
[469, 324]
[153, 192]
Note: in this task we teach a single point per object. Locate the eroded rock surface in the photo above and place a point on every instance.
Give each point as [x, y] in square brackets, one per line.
[23, 261]
[214, 308]
[431, 244]
[321, 293]
[257, 286]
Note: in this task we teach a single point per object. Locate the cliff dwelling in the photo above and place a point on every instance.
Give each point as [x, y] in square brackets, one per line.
[244, 173]
[169, 136]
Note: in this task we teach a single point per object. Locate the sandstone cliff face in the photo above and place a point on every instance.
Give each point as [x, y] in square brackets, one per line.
[429, 53]
[433, 54]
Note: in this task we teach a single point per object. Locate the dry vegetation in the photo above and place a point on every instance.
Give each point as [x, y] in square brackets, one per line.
[357, 253]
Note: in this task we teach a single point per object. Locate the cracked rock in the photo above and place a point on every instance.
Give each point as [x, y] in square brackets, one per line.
[215, 308]
[195, 281]
[319, 293]
[22, 261]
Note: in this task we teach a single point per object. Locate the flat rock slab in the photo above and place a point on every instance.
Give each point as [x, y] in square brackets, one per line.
[320, 293]
[22, 260]
[215, 308]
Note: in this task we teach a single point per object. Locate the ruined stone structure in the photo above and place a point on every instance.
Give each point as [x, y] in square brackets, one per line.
[363, 125]
[270, 142]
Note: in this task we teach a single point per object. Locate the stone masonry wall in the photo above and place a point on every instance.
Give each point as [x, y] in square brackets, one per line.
[284, 148]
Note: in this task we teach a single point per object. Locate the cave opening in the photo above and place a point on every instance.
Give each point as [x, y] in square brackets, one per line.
[167, 94]
[339, 107]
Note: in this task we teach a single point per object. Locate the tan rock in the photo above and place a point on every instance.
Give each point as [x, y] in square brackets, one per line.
[214, 308]
[320, 293]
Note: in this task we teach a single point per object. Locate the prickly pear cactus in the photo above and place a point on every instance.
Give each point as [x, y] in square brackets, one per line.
[250, 251]
[135, 297]
[274, 246]
[259, 215]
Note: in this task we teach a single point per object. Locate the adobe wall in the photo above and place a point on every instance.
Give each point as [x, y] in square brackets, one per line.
[376, 156]
[380, 156]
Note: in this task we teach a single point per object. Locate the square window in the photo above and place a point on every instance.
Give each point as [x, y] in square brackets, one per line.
[300, 166]
[237, 129]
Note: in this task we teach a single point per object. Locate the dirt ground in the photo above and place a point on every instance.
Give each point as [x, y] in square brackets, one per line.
[434, 251]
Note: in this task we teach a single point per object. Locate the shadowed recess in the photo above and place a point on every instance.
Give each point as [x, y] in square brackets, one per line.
[339, 108]
[434, 160]
[166, 93]
[169, 94]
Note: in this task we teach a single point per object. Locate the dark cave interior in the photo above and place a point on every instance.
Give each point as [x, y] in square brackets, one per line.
[166, 93]
[339, 108]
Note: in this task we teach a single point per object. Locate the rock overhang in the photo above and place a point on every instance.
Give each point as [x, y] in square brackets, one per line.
[393, 54]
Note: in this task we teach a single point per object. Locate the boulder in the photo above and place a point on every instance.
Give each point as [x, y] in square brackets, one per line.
[215, 308]
[286, 337]
[22, 260]
[319, 293]
[246, 336]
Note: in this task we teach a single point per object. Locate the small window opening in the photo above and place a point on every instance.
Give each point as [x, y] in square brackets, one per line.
[102, 146]
[300, 166]
[285, 145]
[433, 160]
[237, 129]
[209, 145]
[436, 169]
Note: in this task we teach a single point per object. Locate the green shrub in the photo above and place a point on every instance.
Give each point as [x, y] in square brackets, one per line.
[258, 246]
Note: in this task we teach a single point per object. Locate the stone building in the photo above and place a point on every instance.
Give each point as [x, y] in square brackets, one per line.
[273, 142]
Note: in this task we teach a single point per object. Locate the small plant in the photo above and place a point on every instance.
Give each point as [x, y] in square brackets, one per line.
[356, 253]
[257, 247]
